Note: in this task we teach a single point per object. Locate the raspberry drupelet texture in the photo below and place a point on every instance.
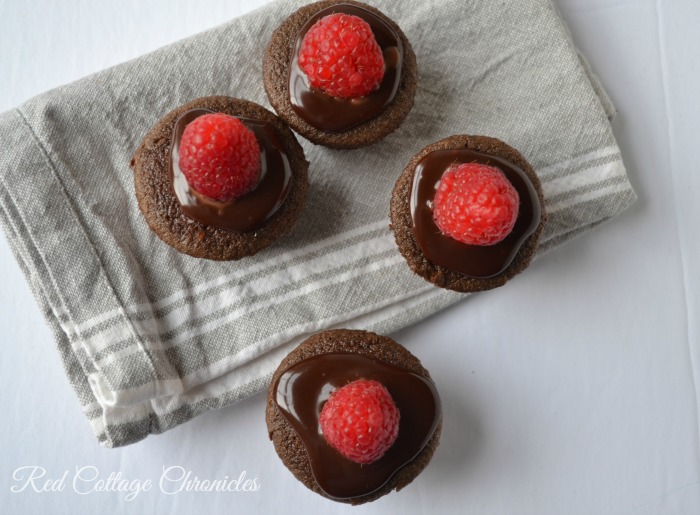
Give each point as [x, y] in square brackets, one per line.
[475, 204]
[360, 420]
[220, 157]
[341, 57]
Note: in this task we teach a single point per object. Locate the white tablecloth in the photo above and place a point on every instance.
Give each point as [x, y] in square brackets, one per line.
[591, 409]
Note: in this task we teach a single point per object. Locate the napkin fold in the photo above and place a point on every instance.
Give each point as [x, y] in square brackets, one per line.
[151, 338]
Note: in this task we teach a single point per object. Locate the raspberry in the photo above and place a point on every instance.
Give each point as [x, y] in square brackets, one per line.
[341, 57]
[219, 156]
[360, 420]
[475, 204]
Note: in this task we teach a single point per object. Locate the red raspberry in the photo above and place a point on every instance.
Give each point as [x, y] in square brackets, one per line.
[219, 156]
[475, 204]
[360, 420]
[341, 57]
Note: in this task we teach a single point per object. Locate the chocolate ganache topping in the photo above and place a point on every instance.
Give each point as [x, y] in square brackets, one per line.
[470, 260]
[302, 390]
[249, 211]
[331, 114]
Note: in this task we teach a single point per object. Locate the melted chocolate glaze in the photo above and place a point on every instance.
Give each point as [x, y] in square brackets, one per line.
[249, 211]
[470, 260]
[302, 390]
[331, 114]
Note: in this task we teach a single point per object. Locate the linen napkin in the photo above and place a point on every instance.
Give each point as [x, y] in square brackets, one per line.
[151, 338]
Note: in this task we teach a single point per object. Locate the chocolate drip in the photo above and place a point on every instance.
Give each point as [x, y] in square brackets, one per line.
[470, 260]
[302, 390]
[249, 211]
[331, 114]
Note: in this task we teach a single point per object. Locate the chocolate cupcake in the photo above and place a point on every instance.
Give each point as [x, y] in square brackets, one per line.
[198, 209]
[340, 73]
[354, 372]
[467, 213]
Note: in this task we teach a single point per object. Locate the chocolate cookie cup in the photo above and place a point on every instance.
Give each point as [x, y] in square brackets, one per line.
[167, 217]
[327, 361]
[400, 79]
[415, 232]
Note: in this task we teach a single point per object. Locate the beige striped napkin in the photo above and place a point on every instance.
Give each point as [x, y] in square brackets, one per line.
[151, 338]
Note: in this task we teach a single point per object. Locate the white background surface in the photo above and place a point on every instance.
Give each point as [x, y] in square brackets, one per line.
[570, 390]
